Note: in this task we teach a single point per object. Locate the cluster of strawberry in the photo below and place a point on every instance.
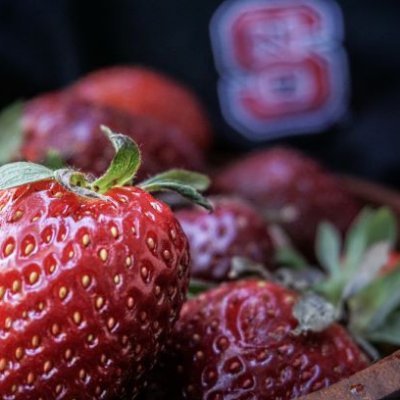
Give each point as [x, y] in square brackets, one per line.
[292, 285]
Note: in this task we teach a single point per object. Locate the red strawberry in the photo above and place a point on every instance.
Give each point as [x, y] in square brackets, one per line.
[234, 228]
[141, 91]
[238, 342]
[71, 127]
[92, 278]
[287, 182]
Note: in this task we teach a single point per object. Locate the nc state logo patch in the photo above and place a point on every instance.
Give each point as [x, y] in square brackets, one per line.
[283, 70]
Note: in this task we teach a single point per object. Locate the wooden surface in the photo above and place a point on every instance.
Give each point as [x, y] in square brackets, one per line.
[380, 381]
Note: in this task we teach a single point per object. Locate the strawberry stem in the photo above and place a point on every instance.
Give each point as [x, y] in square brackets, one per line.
[122, 171]
[124, 165]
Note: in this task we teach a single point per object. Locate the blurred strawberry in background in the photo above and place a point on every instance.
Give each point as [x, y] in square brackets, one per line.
[143, 92]
[234, 229]
[161, 115]
[292, 190]
[70, 127]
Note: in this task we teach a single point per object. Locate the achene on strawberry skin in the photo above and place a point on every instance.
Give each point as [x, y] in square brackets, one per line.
[234, 229]
[92, 279]
[238, 341]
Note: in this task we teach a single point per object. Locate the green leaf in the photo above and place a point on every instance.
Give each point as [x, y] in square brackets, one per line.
[124, 165]
[10, 131]
[186, 191]
[389, 333]
[328, 248]
[356, 240]
[20, 173]
[382, 226]
[198, 181]
[54, 160]
[370, 227]
[373, 260]
[287, 256]
[180, 181]
[371, 307]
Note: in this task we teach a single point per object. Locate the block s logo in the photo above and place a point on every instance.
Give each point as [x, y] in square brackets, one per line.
[283, 70]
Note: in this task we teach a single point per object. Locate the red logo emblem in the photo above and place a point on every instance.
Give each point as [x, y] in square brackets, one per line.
[282, 66]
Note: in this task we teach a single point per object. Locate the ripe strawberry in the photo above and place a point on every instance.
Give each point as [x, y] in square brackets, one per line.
[141, 91]
[238, 341]
[92, 278]
[283, 181]
[234, 228]
[70, 126]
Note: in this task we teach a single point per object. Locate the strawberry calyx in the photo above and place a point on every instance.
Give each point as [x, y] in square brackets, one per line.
[121, 171]
[355, 282]
[352, 287]
[313, 313]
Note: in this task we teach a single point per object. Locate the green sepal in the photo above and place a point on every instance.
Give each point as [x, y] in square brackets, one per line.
[186, 183]
[11, 131]
[288, 256]
[383, 227]
[198, 181]
[356, 239]
[372, 307]
[21, 173]
[389, 333]
[313, 313]
[124, 165]
[328, 248]
[373, 260]
[122, 170]
[369, 227]
[367, 246]
[54, 160]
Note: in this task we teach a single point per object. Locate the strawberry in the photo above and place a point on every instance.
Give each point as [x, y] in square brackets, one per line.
[235, 228]
[92, 278]
[70, 126]
[241, 341]
[141, 91]
[293, 188]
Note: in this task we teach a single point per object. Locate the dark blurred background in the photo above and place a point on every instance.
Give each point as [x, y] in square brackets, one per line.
[47, 44]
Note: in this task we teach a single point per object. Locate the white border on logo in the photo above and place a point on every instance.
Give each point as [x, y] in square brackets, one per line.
[232, 74]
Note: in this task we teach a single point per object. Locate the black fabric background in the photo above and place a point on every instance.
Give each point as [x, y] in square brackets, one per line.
[47, 44]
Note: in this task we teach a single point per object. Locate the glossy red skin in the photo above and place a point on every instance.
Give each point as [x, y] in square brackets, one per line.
[234, 228]
[278, 178]
[141, 298]
[235, 342]
[72, 127]
[141, 91]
